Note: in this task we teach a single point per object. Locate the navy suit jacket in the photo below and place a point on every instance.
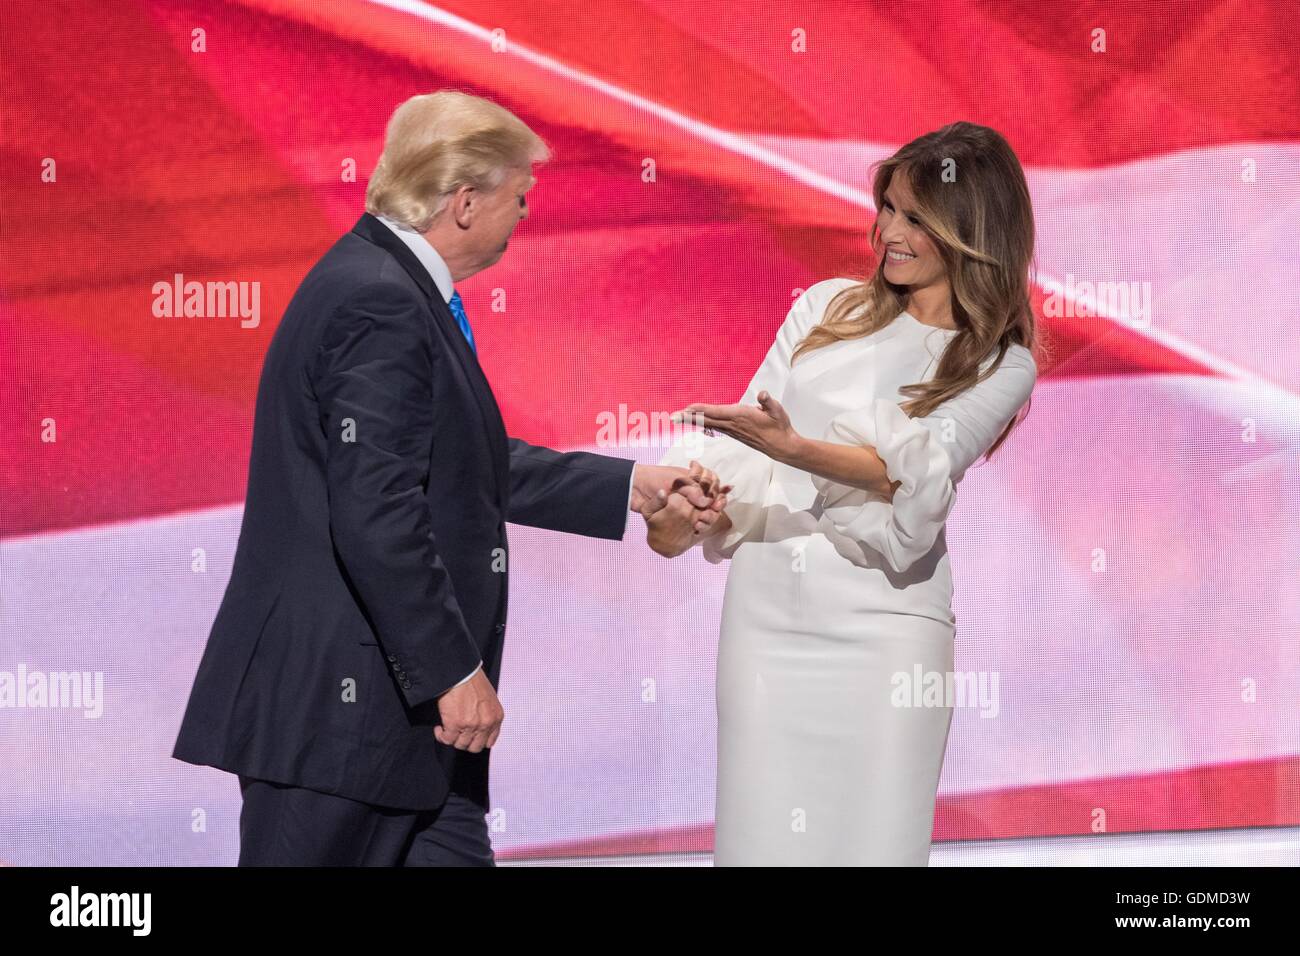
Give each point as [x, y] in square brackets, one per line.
[371, 570]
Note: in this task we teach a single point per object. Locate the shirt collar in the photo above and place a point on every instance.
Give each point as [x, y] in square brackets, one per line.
[428, 256]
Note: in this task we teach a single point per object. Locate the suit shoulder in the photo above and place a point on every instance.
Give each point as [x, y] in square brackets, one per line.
[352, 264]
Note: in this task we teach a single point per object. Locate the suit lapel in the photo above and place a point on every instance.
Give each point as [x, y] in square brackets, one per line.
[374, 231]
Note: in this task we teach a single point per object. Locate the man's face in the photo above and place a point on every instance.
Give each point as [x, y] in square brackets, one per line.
[499, 212]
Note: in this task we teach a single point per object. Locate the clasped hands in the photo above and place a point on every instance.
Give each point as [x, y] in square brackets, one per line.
[681, 506]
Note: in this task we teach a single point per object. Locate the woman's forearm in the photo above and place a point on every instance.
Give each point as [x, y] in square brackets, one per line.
[857, 466]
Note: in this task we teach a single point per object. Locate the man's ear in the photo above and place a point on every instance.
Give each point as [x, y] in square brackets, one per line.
[464, 205]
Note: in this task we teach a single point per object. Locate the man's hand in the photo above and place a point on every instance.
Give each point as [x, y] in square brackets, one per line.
[673, 524]
[649, 480]
[471, 715]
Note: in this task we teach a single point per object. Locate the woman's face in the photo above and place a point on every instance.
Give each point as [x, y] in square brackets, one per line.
[909, 255]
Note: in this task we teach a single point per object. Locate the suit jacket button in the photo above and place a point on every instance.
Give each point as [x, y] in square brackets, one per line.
[406, 684]
[391, 657]
[501, 628]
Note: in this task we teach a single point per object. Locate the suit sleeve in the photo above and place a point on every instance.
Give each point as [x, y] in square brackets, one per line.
[928, 456]
[373, 381]
[576, 491]
[748, 470]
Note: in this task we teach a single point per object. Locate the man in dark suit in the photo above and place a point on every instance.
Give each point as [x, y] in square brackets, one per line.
[349, 679]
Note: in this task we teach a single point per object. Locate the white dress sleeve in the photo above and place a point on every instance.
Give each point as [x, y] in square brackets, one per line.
[749, 470]
[927, 455]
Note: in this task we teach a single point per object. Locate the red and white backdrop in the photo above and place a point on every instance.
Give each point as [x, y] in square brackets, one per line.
[1126, 565]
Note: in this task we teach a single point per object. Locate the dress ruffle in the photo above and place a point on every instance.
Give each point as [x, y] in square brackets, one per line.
[906, 529]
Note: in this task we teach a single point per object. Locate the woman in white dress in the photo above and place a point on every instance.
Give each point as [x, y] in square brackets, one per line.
[843, 458]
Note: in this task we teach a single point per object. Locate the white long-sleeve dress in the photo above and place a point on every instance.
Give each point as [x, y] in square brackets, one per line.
[837, 599]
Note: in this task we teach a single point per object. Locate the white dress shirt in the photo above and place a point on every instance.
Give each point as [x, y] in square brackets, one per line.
[441, 276]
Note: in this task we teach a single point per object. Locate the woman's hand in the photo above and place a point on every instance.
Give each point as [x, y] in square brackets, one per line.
[766, 427]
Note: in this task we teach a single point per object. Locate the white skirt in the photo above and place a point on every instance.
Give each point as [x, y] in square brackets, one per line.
[828, 755]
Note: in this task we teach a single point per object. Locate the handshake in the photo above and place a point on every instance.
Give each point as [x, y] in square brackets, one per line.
[681, 506]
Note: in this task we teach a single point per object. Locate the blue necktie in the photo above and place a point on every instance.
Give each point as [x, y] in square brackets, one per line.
[458, 310]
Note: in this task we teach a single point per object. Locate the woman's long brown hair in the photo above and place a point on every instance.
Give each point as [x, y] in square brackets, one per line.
[972, 199]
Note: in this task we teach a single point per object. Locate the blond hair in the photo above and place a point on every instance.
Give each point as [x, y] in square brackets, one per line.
[437, 142]
[982, 224]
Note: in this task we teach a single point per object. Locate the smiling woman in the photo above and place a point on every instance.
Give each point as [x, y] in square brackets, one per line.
[839, 576]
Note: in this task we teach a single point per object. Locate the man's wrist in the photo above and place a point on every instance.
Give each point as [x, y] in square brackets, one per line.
[631, 491]
[666, 541]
